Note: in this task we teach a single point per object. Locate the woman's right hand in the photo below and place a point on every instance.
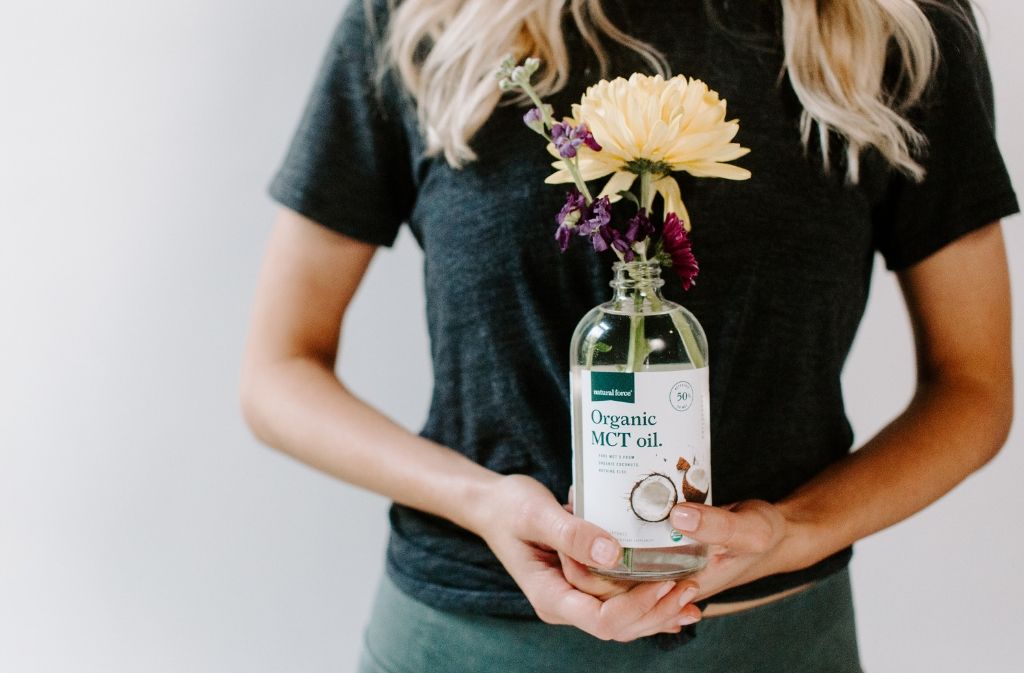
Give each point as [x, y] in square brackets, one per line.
[528, 530]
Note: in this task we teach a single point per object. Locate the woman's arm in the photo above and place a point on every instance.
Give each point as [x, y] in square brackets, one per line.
[959, 418]
[293, 401]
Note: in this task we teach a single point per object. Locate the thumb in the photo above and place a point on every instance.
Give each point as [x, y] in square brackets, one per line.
[747, 527]
[575, 537]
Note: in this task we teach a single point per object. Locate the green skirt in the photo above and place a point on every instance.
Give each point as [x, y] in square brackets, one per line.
[811, 631]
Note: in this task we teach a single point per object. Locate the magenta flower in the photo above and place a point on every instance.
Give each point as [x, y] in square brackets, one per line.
[676, 243]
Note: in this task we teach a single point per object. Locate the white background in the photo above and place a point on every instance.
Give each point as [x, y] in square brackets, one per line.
[141, 527]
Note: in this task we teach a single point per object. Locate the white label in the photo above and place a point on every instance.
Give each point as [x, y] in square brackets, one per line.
[645, 446]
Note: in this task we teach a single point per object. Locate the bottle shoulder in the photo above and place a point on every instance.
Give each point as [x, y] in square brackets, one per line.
[639, 337]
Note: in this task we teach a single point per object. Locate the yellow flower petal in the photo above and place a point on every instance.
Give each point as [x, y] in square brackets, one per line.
[712, 169]
[622, 180]
[673, 199]
[589, 170]
[559, 177]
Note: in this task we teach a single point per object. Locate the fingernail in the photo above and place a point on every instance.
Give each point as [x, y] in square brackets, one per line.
[686, 518]
[687, 595]
[688, 619]
[604, 551]
[665, 588]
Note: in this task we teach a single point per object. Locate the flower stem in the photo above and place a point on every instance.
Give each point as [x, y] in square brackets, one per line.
[631, 353]
[574, 169]
[646, 194]
[689, 341]
[571, 165]
[646, 199]
[637, 341]
[532, 93]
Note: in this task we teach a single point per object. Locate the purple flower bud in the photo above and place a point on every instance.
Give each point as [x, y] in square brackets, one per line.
[598, 215]
[639, 227]
[562, 236]
[568, 138]
[561, 136]
[573, 209]
[607, 236]
[622, 245]
[593, 221]
[534, 118]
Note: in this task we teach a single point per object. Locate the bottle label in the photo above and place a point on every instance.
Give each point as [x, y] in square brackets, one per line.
[645, 447]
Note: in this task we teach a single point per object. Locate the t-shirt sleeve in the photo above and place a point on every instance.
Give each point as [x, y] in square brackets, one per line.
[967, 185]
[348, 165]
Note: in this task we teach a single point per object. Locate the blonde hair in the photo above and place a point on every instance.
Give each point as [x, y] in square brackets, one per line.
[835, 52]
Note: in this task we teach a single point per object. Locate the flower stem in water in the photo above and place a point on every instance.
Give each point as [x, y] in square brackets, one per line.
[689, 341]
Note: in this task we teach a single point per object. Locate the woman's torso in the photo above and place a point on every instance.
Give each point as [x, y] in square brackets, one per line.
[785, 260]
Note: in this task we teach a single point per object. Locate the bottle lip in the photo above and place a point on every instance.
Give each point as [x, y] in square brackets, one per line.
[637, 264]
[637, 274]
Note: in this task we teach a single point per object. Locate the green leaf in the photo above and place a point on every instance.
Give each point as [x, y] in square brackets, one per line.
[629, 196]
[602, 347]
[664, 259]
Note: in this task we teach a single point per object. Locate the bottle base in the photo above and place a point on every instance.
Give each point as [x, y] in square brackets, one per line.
[657, 564]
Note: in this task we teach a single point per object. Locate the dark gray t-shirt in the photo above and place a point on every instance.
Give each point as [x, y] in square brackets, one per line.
[786, 259]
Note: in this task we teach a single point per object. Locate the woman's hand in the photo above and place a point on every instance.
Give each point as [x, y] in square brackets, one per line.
[745, 541]
[580, 576]
[528, 530]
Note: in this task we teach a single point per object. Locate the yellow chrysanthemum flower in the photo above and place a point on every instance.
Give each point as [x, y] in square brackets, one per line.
[650, 124]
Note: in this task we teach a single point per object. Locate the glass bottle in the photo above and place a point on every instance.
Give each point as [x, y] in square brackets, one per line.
[640, 423]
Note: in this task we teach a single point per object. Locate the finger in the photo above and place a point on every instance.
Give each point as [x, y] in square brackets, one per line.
[689, 615]
[583, 541]
[635, 614]
[580, 577]
[668, 615]
[672, 612]
[557, 602]
[617, 617]
[752, 527]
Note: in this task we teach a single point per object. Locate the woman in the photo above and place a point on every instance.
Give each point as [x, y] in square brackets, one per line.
[870, 126]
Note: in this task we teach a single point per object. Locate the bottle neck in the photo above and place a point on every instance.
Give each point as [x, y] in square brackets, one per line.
[637, 283]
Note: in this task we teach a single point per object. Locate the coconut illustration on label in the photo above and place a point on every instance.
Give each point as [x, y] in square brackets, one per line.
[653, 497]
[696, 485]
[695, 482]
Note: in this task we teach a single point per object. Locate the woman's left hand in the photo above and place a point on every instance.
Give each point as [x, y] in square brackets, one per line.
[744, 541]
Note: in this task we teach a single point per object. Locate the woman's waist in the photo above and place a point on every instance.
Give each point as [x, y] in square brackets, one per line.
[443, 565]
[713, 609]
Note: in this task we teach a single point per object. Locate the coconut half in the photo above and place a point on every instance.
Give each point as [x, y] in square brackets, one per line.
[653, 497]
[696, 484]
